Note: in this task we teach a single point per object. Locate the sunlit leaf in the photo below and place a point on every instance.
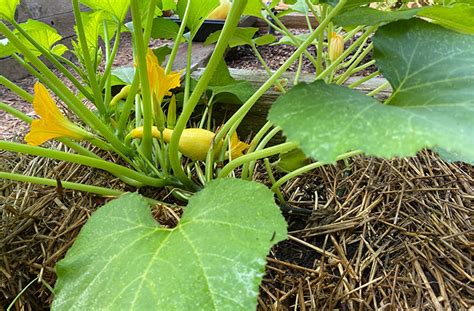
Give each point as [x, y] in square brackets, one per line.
[117, 8]
[94, 27]
[8, 8]
[431, 71]
[42, 33]
[213, 260]
[125, 74]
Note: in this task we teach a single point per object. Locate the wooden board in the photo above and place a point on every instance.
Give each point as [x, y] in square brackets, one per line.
[258, 114]
[200, 55]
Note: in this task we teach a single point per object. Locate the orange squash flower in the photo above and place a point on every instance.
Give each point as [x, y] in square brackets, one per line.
[160, 82]
[52, 123]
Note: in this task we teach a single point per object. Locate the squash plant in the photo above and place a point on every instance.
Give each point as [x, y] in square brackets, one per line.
[215, 257]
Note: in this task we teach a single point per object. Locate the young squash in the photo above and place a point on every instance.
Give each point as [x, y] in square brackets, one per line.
[221, 11]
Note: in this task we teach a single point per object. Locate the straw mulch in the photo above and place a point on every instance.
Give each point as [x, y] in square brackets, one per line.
[372, 234]
[382, 235]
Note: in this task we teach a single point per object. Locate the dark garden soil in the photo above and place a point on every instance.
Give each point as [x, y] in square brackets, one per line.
[366, 234]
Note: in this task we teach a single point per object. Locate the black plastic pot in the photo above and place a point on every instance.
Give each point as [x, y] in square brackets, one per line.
[212, 25]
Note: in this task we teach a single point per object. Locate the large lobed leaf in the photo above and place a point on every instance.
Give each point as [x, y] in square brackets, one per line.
[214, 259]
[431, 70]
[459, 17]
[42, 33]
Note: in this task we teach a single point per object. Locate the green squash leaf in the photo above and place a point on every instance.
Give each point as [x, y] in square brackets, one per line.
[292, 160]
[459, 17]
[8, 8]
[199, 10]
[117, 8]
[228, 90]
[42, 33]
[430, 69]
[6, 48]
[124, 74]
[237, 92]
[368, 16]
[254, 8]
[94, 28]
[264, 40]
[241, 36]
[164, 29]
[213, 260]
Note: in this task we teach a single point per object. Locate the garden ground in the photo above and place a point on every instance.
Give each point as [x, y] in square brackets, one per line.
[366, 234]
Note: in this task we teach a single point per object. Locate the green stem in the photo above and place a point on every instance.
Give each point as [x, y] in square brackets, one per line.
[298, 71]
[76, 68]
[16, 89]
[98, 100]
[253, 144]
[285, 147]
[320, 46]
[12, 304]
[272, 180]
[187, 79]
[244, 109]
[20, 115]
[105, 81]
[379, 89]
[227, 32]
[355, 56]
[308, 168]
[265, 66]
[14, 112]
[144, 83]
[177, 41]
[65, 184]
[52, 58]
[112, 168]
[127, 107]
[282, 28]
[346, 52]
[364, 79]
[149, 21]
[262, 145]
[352, 68]
[110, 56]
[363, 66]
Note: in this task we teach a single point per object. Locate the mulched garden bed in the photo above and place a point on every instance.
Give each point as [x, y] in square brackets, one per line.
[366, 234]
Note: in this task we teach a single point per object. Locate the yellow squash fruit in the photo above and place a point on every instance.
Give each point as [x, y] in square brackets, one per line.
[221, 11]
[195, 142]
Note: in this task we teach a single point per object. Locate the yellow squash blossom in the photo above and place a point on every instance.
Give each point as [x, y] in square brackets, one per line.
[336, 46]
[52, 123]
[160, 82]
[195, 142]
